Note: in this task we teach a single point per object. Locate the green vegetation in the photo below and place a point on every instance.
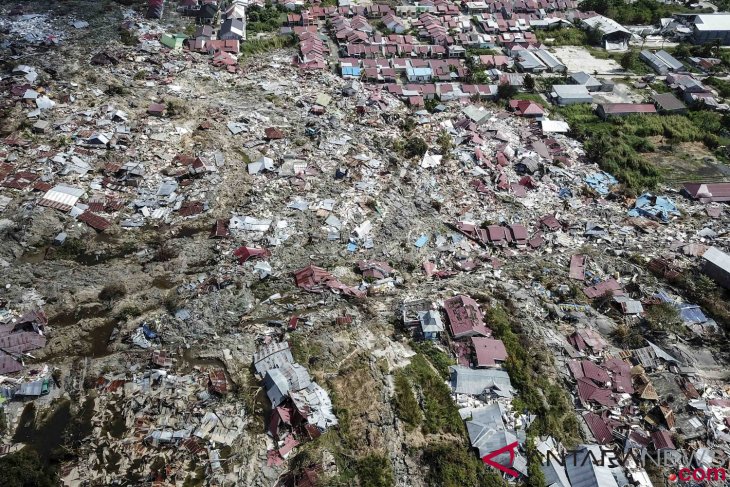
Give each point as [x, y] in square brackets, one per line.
[260, 46]
[640, 12]
[506, 92]
[415, 147]
[445, 144]
[374, 471]
[264, 19]
[406, 406]
[529, 82]
[452, 465]
[713, 299]
[630, 60]
[527, 365]
[440, 360]
[529, 96]
[616, 145]
[440, 413]
[663, 316]
[566, 36]
[25, 469]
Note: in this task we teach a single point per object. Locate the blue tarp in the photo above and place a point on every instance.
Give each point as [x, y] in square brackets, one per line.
[422, 240]
[601, 182]
[148, 333]
[690, 313]
[654, 207]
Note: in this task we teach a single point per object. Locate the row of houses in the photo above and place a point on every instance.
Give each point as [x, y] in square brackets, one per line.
[415, 70]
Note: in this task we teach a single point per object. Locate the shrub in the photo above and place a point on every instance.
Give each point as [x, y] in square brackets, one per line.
[375, 471]
[415, 147]
[452, 465]
[113, 292]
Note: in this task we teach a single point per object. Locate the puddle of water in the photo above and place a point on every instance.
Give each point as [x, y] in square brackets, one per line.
[34, 257]
[72, 316]
[187, 232]
[164, 282]
[100, 339]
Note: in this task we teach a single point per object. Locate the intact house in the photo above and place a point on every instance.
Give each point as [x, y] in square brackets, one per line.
[707, 28]
[570, 95]
[669, 104]
[662, 62]
[606, 110]
[591, 83]
[419, 75]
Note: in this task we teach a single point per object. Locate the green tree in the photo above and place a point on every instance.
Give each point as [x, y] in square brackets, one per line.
[506, 91]
[529, 82]
[415, 147]
[629, 60]
[25, 469]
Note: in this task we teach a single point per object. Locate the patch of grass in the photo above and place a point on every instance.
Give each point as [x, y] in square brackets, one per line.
[527, 365]
[440, 412]
[374, 470]
[529, 96]
[113, 291]
[616, 145]
[129, 312]
[566, 36]
[439, 359]
[452, 465]
[260, 46]
[406, 406]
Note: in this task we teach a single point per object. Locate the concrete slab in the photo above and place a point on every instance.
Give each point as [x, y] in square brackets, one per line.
[580, 59]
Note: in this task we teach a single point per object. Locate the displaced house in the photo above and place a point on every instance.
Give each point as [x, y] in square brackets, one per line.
[173, 41]
[716, 264]
[465, 317]
[430, 324]
[481, 382]
[614, 36]
[587, 340]
[526, 108]
[488, 352]
[707, 192]
[488, 433]
[233, 29]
